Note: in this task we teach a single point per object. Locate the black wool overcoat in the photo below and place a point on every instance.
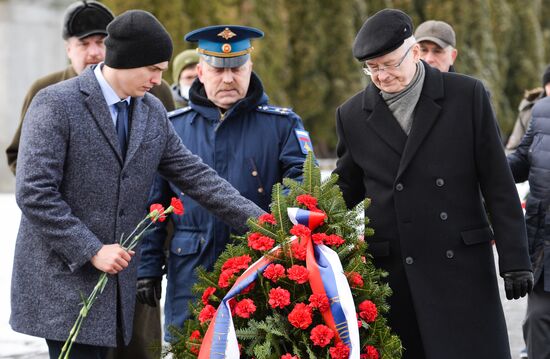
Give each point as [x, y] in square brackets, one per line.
[432, 233]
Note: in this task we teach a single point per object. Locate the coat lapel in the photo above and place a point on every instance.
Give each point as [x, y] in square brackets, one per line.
[140, 114]
[381, 120]
[96, 104]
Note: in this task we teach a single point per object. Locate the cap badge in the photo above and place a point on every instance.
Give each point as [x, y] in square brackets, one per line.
[227, 34]
[226, 48]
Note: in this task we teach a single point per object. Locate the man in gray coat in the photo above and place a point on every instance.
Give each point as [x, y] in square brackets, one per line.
[86, 165]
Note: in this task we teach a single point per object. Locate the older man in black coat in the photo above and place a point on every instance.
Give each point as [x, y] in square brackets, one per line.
[424, 146]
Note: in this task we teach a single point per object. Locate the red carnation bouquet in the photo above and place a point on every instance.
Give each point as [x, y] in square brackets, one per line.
[265, 284]
[128, 243]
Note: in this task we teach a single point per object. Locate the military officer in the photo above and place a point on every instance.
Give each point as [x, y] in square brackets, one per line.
[232, 127]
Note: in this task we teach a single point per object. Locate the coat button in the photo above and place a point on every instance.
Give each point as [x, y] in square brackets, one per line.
[439, 182]
[178, 250]
[409, 260]
[450, 254]
[399, 187]
[121, 213]
[260, 190]
[443, 216]
[254, 173]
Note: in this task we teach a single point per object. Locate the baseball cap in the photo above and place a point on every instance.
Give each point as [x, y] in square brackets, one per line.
[438, 32]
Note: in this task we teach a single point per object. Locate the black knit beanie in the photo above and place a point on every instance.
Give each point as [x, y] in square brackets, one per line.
[546, 76]
[136, 39]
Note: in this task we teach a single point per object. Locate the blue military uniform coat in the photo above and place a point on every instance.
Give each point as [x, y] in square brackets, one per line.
[255, 146]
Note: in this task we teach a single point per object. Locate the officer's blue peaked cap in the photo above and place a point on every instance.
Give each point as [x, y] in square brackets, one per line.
[224, 45]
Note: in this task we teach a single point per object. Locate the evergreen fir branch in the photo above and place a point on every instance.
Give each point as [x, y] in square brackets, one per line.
[312, 174]
[279, 207]
[263, 350]
[255, 227]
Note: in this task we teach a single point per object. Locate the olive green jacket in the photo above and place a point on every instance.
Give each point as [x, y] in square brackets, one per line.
[162, 92]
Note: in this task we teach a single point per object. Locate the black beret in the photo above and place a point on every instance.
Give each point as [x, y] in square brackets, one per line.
[382, 33]
[136, 39]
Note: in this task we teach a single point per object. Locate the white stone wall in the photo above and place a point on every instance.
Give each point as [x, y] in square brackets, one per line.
[30, 47]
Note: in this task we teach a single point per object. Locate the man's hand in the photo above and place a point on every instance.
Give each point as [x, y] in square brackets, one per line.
[518, 284]
[111, 258]
[148, 289]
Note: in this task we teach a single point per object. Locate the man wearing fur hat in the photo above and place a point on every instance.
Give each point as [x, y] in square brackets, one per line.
[424, 146]
[90, 149]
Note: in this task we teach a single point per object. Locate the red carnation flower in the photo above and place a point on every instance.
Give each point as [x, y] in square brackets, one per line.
[339, 351]
[319, 238]
[225, 277]
[371, 353]
[195, 335]
[237, 263]
[274, 272]
[355, 279]
[334, 240]
[301, 231]
[207, 313]
[319, 301]
[279, 297]
[177, 205]
[299, 250]
[289, 356]
[244, 308]
[206, 294]
[309, 201]
[260, 243]
[267, 218]
[156, 211]
[298, 273]
[300, 316]
[368, 311]
[195, 340]
[321, 335]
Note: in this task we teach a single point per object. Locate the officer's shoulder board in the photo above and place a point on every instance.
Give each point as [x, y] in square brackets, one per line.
[275, 110]
[179, 111]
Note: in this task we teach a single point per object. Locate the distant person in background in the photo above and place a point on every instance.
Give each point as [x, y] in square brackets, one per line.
[525, 108]
[437, 42]
[84, 28]
[184, 72]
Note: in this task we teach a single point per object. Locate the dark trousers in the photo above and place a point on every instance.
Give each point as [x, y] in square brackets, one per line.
[78, 351]
[536, 328]
[146, 336]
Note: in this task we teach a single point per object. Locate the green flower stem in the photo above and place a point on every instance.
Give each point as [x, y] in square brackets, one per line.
[128, 243]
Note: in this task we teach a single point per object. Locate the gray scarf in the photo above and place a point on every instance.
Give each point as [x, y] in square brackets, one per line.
[402, 104]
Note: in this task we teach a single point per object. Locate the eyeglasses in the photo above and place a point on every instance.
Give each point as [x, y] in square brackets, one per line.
[389, 68]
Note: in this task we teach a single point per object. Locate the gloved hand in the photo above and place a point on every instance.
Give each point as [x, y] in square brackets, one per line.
[149, 290]
[517, 284]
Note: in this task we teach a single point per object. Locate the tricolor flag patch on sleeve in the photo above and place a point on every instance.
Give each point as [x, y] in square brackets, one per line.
[304, 141]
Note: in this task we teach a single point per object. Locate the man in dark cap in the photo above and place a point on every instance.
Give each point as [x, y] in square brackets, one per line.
[90, 149]
[232, 127]
[424, 146]
[437, 42]
[84, 29]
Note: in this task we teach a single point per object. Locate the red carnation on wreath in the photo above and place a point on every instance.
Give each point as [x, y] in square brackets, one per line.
[300, 316]
[321, 335]
[277, 310]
